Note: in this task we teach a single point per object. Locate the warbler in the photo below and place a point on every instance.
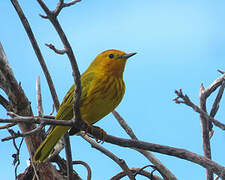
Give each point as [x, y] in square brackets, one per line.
[102, 90]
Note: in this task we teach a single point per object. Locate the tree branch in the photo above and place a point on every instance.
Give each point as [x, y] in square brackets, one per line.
[188, 102]
[5, 103]
[205, 130]
[177, 152]
[119, 161]
[37, 51]
[39, 98]
[85, 165]
[52, 47]
[52, 16]
[138, 171]
[161, 168]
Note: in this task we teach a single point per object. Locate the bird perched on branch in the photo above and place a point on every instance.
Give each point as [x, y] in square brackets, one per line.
[102, 90]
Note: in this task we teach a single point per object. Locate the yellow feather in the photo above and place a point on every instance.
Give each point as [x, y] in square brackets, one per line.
[102, 90]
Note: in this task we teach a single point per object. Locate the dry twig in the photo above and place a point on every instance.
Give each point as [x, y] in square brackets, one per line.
[136, 171]
[52, 16]
[86, 166]
[119, 161]
[162, 169]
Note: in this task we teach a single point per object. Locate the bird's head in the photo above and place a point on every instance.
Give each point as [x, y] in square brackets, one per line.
[111, 61]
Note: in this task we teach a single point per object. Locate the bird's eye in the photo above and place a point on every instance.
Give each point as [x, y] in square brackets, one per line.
[111, 56]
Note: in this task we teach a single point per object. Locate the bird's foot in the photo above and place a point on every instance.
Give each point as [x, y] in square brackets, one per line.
[91, 128]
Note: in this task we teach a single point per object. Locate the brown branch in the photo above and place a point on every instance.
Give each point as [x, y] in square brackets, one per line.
[52, 47]
[37, 120]
[188, 102]
[162, 169]
[139, 171]
[17, 98]
[112, 156]
[215, 106]
[5, 103]
[62, 5]
[7, 126]
[52, 16]
[177, 152]
[39, 98]
[37, 51]
[16, 156]
[86, 166]
[68, 156]
[18, 134]
[205, 130]
[206, 121]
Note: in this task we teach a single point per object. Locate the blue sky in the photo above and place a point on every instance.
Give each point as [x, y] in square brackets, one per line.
[180, 44]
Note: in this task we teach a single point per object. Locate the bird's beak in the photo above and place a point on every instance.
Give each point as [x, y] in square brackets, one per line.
[126, 56]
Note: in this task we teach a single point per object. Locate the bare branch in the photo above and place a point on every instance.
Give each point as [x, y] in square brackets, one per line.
[18, 134]
[208, 91]
[220, 71]
[205, 119]
[215, 106]
[37, 51]
[39, 98]
[85, 165]
[37, 120]
[119, 161]
[162, 169]
[52, 16]
[187, 101]
[5, 103]
[76, 74]
[139, 171]
[177, 152]
[205, 129]
[61, 5]
[16, 156]
[7, 126]
[51, 46]
[68, 156]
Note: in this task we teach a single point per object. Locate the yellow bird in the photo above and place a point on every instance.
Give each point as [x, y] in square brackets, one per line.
[102, 90]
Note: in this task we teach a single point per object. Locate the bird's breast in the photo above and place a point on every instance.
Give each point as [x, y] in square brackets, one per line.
[104, 96]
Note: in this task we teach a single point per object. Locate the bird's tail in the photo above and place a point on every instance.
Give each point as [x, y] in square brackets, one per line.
[48, 144]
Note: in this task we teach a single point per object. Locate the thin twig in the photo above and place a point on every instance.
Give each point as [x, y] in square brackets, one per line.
[215, 106]
[53, 109]
[61, 5]
[205, 130]
[162, 169]
[205, 119]
[52, 16]
[221, 71]
[177, 152]
[39, 98]
[52, 47]
[7, 126]
[18, 159]
[5, 103]
[68, 156]
[85, 165]
[37, 51]
[18, 134]
[139, 171]
[216, 178]
[112, 156]
[188, 102]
